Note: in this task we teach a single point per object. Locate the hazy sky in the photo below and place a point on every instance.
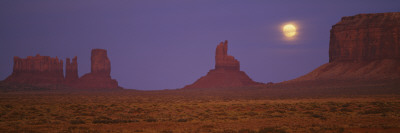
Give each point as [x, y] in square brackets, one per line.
[167, 44]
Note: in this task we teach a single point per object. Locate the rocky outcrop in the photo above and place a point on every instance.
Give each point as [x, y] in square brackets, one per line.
[226, 73]
[223, 79]
[223, 60]
[71, 70]
[100, 62]
[47, 71]
[362, 47]
[366, 37]
[386, 69]
[99, 77]
[37, 70]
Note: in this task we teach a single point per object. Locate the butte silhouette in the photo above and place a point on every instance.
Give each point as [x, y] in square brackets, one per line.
[48, 71]
[226, 73]
[364, 47]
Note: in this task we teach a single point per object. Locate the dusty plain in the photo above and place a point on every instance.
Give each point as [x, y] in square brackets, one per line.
[274, 108]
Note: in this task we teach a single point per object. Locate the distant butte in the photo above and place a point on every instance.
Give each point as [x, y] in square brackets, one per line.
[99, 77]
[47, 71]
[226, 73]
[37, 70]
[362, 47]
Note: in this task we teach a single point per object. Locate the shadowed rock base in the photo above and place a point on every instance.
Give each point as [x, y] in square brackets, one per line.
[226, 73]
[372, 70]
[96, 81]
[222, 79]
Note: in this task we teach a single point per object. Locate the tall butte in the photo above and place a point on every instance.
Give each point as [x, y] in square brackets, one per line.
[226, 73]
[362, 47]
[99, 77]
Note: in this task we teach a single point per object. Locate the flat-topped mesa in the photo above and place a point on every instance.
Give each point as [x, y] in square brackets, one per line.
[223, 60]
[100, 62]
[364, 47]
[71, 70]
[37, 70]
[366, 37]
[226, 73]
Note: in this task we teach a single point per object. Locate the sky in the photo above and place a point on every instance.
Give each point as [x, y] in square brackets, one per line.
[167, 44]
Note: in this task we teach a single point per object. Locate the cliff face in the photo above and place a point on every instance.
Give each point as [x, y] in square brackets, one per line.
[71, 70]
[44, 70]
[226, 73]
[366, 37]
[100, 62]
[99, 77]
[362, 47]
[37, 70]
[223, 60]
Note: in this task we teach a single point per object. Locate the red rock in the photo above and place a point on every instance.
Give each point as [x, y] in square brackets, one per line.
[96, 81]
[38, 70]
[362, 47]
[71, 70]
[223, 60]
[226, 73]
[44, 70]
[99, 77]
[100, 62]
[366, 37]
[387, 69]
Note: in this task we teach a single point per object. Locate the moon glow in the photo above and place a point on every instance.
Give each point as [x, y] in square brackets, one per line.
[289, 30]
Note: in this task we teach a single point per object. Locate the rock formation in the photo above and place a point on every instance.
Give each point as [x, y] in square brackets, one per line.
[100, 62]
[99, 77]
[366, 37]
[223, 60]
[226, 73]
[71, 70]
[362, 47]
[44, 71]
[37, 70]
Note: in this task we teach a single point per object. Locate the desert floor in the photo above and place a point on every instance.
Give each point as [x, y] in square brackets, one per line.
[228, 111]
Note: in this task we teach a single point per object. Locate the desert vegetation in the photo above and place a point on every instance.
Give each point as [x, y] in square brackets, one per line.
[169, 111]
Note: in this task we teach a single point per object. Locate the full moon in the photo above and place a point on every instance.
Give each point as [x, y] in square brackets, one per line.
[289, 30]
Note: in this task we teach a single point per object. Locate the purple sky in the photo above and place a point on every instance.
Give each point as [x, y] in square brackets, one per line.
[167, 44]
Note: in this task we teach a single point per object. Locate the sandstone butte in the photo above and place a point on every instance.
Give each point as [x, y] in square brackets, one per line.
[47, 71]
[71, 70]
[99, 76]
[362, 47]
[37, 70]
[226, 73]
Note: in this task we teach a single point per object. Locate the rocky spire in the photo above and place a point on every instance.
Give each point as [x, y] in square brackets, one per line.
[223, 60]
